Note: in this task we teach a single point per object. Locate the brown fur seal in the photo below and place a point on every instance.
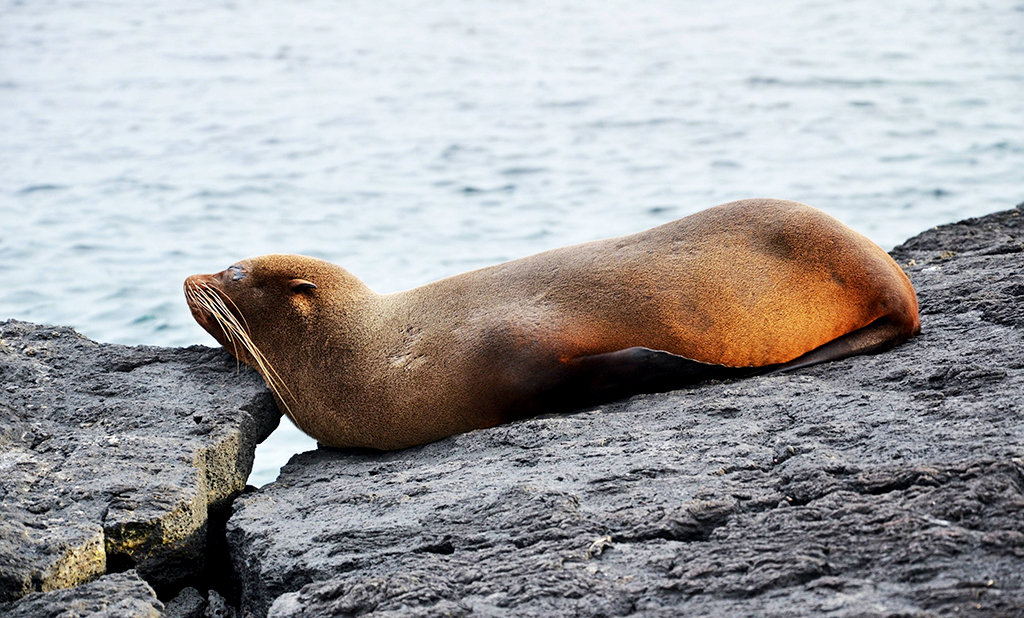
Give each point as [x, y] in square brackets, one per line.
[750, 284]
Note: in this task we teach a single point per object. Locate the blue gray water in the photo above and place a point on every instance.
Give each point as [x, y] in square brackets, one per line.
[145, 141]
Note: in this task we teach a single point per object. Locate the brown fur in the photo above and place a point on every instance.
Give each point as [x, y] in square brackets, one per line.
[752, 283]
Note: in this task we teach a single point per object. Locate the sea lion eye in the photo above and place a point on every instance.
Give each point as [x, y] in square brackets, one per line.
[301, 285]
[237, 272]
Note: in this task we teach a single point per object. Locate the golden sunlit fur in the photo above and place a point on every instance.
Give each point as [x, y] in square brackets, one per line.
[755, 283]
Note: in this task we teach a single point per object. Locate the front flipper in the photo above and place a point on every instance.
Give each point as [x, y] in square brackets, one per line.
[590, 380]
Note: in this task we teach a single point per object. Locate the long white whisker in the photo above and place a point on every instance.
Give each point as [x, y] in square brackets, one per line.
[210, 299]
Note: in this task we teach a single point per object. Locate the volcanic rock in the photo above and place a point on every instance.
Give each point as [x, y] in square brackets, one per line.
[115, 458]
[120, 595]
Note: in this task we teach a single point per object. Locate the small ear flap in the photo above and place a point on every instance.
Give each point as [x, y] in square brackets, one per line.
[301, 285]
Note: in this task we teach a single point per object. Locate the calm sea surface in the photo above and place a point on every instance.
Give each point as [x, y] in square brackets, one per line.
[145, 141]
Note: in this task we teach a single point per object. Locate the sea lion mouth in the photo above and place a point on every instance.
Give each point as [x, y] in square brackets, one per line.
[192, 288]
[209, 307]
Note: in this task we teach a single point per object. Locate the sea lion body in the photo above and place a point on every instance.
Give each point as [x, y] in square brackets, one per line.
[749, 284]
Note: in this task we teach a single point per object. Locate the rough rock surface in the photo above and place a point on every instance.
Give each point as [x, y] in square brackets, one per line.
[121, 595]
[888, 485]
[188, 604]
[115, 457]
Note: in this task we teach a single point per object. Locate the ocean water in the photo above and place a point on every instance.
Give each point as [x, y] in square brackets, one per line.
[407, 141]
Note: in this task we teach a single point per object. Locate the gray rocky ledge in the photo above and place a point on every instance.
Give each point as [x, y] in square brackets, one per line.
[886, 485]
[118, 457]
[119, 595]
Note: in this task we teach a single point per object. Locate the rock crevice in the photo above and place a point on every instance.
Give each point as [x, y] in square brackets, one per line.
[114, 457]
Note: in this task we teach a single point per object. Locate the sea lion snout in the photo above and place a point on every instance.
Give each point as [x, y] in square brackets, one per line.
[197, 281]
[201, 314]
[206, 300]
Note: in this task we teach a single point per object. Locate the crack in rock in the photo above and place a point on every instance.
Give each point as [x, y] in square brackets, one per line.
[102, 469]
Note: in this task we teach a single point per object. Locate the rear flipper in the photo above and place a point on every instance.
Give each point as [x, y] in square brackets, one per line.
[877, 336]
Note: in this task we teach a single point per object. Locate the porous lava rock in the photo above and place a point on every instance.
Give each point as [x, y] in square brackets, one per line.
[115, 458]
[120, 595]
[886, 485]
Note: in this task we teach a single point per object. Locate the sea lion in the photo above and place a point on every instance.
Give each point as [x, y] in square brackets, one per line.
[745, 287]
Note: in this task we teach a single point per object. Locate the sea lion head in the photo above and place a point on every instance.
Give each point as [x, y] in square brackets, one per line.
[263, 309]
